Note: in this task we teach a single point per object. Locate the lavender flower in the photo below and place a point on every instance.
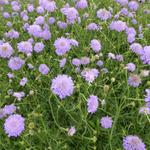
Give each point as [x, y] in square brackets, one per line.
[35, 30]
[62, 62]
[14, 125]
[62, 86]
[133, 142]
[106, 122]
[92, 104]
[122, 2]
[147, 97]
[19, 95]
[76, 62]
[93, 26]
[133, 5]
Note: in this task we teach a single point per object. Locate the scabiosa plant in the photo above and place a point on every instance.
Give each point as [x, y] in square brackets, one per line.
[6, 50]
[118, 26]
[15, 63]
[23, 81]
[106, 122]
[133, 5]
[71, 131]
[90, 74]
[62, 45]
[134, 80]
[35, 30]
[133, 142]
[62, 62]
[44, 69]
[25, 47]
[81, 4]
[95, 45]
[9, 109]
[93, 26]
[136, 48]
[145, 56]
[131, 67]
[92, 104]
[62, 86]
[104, 14]
[38, 47]
[147, 97]
[122, 2]
[19, 95]
[14, 125]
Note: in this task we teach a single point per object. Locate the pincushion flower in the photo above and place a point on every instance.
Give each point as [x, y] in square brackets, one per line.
[92, 104]
[133, 142]
[106, 122]
[25, 47]
[63, 86]
[62, 45]
[14, 125]
[95, 45]
[15, 63]
[90, 74]
[9, 109]
[103, 14]
[118, 26]
[44, 69]
[6, 50]
[134, 80]
[145, 56]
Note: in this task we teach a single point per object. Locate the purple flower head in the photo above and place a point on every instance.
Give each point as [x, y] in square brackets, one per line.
[90, 74]
[92, 104]
[40, 20]
[30, 8]
[104, 14]
[130, 30]
[122, 2]
[93, 26]
[99, 63]
[147, 97]
[62, 62]
[62, 25]
[6, 50]
[62, 86]
[131, 67]
[71, 131]
[85, 60]
[25, 47]
[23, 81]
[62, 45]
[145, 56]
[124, 11]
[133, 142]
[38, 47]
[74, 42]
[35, 30]
[51, 20]
[106, 122]
[2, 115]
[9, 109]
[50, 6]
[44, 69]
[15, 63]
[119, 57]
[76, 62]
[136, 48]
[10, 75]
[134, 80]
[19, 95]
[144, 110]
[14, 125]
[118, 26]
[81, 4]
[40, 10]
[95, 45]
[71, 14]
[133, 5]
[131, 38]
[6, 15]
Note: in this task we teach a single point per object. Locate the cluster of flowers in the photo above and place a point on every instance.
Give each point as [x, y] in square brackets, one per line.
[63, 85]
